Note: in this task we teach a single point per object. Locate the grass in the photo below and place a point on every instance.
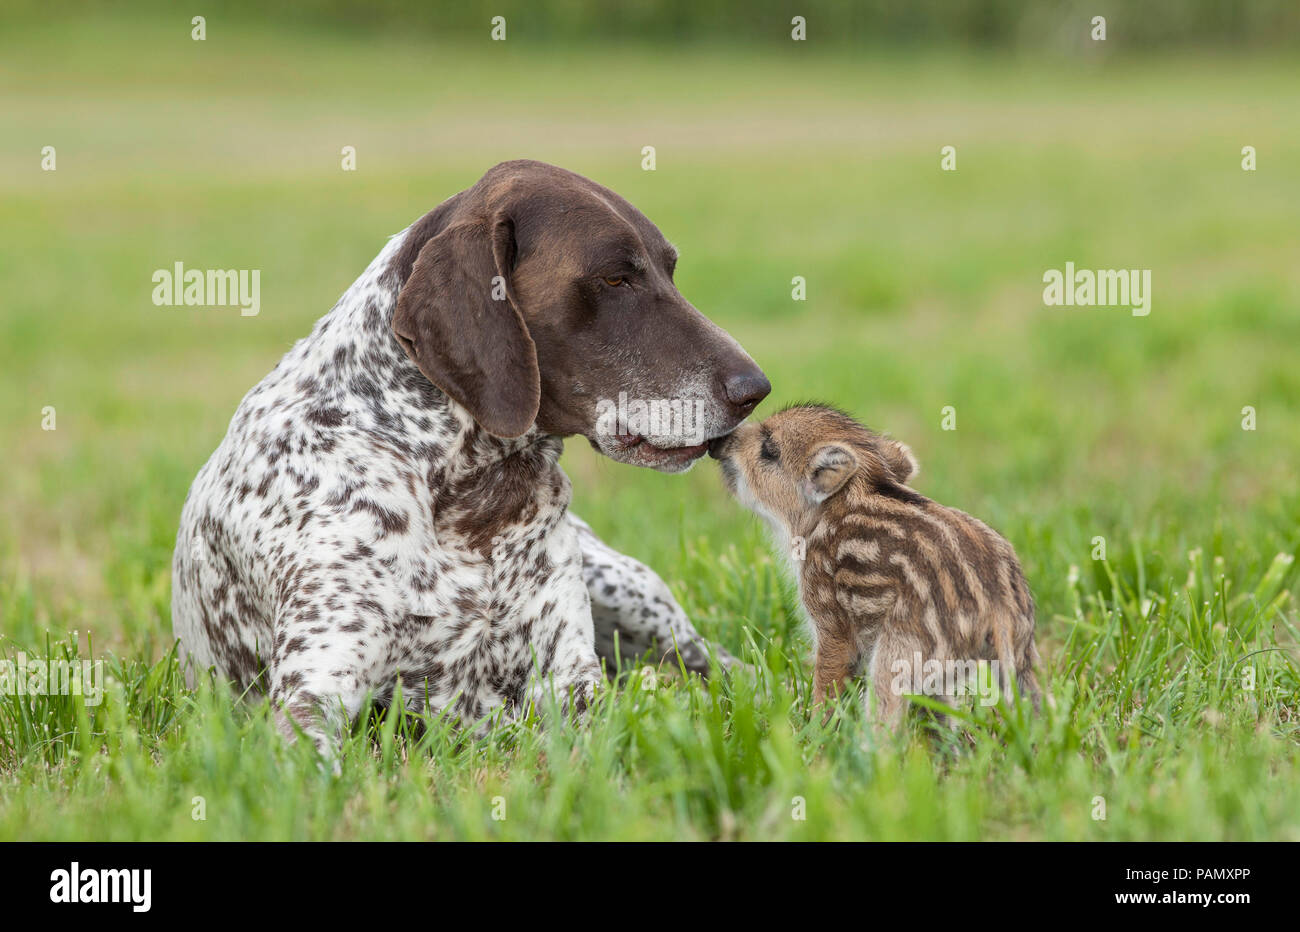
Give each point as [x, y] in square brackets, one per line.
[924, 291]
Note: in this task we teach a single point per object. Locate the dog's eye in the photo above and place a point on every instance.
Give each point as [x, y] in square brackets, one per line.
[768, 450]
[616, 281]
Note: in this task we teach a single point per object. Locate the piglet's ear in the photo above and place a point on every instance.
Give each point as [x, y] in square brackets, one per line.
[830, 466]
[898, 459]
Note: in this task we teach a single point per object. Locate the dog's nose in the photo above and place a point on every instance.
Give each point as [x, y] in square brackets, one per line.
[744, 390]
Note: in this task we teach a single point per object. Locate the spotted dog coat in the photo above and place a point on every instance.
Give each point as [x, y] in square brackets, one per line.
[634, 611]
[360, 525]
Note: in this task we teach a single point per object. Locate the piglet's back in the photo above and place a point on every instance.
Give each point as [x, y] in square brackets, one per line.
[891, 555]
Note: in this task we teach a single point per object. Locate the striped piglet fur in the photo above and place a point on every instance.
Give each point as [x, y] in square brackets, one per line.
[894, 584]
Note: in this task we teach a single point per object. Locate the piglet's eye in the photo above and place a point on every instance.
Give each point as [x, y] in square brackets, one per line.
[768, 450]
[615, 281]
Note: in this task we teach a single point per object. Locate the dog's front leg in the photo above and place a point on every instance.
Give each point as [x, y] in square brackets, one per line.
[558, 614]
[631, 604]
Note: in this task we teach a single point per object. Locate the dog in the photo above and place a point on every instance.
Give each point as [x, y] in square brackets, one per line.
[889, 579]
[387, 508]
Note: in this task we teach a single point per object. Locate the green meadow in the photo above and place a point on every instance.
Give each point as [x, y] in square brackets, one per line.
[1157, 532]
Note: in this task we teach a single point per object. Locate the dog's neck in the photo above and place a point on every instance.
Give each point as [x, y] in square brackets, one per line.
[354, 343]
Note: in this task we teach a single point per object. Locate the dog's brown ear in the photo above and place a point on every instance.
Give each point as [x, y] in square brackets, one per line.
[457, 320]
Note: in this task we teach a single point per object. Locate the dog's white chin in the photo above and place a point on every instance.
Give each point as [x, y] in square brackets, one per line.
[649, 456]
[686, 466]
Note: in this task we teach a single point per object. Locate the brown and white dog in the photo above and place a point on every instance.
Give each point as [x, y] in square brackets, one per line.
[387, 503]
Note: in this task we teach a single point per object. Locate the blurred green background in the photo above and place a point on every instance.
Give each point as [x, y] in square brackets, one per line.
[817, 159]
[994, 24]
[775, 159]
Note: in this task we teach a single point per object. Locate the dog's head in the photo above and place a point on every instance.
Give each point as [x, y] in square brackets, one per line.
[540, 297]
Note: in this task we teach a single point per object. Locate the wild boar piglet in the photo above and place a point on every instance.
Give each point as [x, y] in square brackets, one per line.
[923, 598]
